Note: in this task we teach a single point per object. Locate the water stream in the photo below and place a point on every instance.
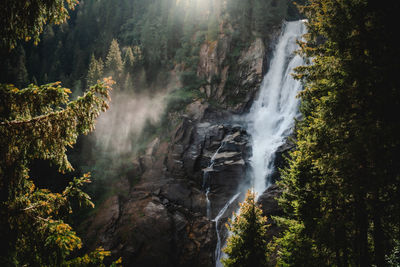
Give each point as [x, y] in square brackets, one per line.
[206, 176]
[216, 220]
[271, 117]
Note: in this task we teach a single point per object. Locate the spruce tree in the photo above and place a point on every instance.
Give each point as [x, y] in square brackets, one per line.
[39, 122]
[95, 71]
[341, 190]
[113, 64]
[129, 60]
[246, 246]
[26, 19]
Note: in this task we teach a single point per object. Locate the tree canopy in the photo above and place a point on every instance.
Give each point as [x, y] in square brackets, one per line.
[39, 122]
[26, 19]
[246, 246]
[341, 190]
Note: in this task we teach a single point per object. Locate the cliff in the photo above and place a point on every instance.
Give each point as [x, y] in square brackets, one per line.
[189, 172]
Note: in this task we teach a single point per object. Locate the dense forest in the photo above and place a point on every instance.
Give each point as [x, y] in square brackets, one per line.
[83, 188]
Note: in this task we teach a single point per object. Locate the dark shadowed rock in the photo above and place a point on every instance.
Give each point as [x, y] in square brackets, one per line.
[268, 202]
[280, 162]
[270, 207]
[152, 232]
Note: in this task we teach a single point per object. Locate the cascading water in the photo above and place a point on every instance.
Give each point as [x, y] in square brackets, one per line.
[216, 220]
[206, 182]
[271, 116]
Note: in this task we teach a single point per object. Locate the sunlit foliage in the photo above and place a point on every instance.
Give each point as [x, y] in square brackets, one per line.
[40, 122]
[25, 20]
[246, 246]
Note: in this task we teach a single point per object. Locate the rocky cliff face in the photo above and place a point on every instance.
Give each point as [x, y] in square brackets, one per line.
[227, 82]
[165, 219]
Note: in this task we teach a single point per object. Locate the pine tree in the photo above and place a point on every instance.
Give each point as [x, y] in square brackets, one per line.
[341, 190]
[40, 123]
[95, 71]
[246, 246]
[19, 24]
[129, 60]
[113, 64]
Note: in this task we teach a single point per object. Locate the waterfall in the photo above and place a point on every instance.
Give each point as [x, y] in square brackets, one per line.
[271, 117]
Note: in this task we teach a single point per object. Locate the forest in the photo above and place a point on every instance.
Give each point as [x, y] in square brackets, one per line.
[131, 131]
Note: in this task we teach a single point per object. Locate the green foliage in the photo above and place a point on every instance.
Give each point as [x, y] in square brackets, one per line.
[342, 183]
[179, 99]
[26, 19]
[393, 259]
[189, 78]
[129, 59]
[39, 122]
[95, 72]
[113, 63]
[246, 246]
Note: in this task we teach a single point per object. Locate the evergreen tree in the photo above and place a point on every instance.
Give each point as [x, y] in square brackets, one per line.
[27, 19]
[40, 123]
[246, 246]
[113, 62]
[341, 190]
[95, 71]
[129, 60]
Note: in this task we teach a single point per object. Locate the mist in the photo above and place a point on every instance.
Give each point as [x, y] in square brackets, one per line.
[117, 130]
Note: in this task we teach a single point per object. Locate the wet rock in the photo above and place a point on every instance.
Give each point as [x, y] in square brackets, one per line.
[280, 158]
[270, 207]
[269, 204]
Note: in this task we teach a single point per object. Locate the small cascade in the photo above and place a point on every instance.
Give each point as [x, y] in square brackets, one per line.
[216, 220]
[206, 176]
[208, 203]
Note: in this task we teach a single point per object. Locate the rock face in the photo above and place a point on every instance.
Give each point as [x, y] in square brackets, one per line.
[247, 71]
[279, 161]
[270, 207]
[150, 230]
[167, 219]
[163, 220]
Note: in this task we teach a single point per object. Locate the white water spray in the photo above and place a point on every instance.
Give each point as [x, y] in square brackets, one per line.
[206, 177]
[216, 220]
[271, 116]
